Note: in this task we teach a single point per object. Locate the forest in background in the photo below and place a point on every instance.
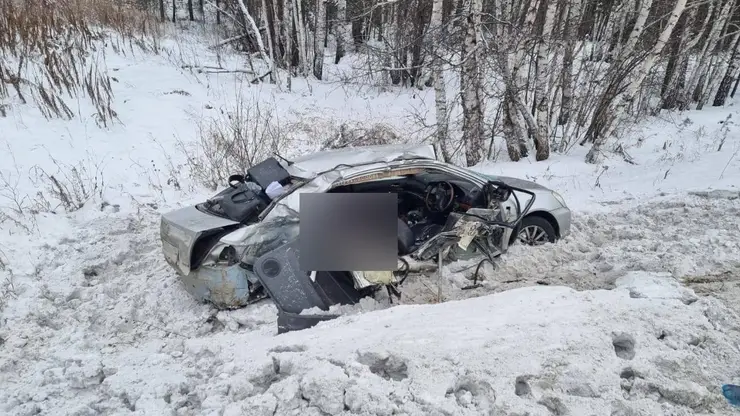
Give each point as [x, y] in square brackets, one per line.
[545, 75]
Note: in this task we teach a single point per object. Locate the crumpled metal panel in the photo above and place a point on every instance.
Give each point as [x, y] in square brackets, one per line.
[227, 287]
[312, 165]
[180, 229]
[266, 236]
[462, 233]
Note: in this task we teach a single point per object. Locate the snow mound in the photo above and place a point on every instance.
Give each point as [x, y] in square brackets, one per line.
[686, 236]
[102, 326]
[509, 353]
[680, 234]
[655, 286]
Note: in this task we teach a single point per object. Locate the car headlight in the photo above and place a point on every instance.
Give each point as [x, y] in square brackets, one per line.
[559, 198]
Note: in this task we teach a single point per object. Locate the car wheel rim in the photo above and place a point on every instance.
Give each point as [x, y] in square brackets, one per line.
[533, 235]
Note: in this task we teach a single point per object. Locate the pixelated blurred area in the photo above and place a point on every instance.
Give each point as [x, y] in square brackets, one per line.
[348, 231]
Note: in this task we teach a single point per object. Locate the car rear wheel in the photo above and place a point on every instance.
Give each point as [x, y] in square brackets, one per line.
[535, 231]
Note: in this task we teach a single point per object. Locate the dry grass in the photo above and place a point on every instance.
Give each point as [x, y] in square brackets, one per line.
[53, 51]
[240, 136]
[69, 187]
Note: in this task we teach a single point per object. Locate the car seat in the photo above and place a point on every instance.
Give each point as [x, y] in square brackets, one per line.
[406, 238]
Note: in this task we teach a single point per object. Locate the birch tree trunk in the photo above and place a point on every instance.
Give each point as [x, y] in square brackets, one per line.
[470, 86]
[602, 25]
[622, 17]
[318, 40]
[387, 33]
[719, 67]
[440, 87]
[431, 41]
[522, 45]
[715, 62]
[252, 27]
[518, 77]
[276, 29]
[724, 87]
[513, 131]
[270, 45]
[709, 45]
[734, 89]
[675, 75]
[343, 30]
[639, 26]
[542, 143]
[440, 104]
[573, 21]
[627, 96]
[302, 42]
[287, 33]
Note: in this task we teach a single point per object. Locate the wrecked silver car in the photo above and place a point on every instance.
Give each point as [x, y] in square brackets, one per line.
[240, 246]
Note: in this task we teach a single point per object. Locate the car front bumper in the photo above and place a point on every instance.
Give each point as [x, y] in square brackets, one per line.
[227, 287]
[563, 217]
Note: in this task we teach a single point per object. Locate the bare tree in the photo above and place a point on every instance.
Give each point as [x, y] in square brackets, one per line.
[343, 31]
[557, 72]
[675, 74]
[573, 21]
[724, 87]
[434, 36]
[626, 95]
[719, 64]
[318, 40]
[302, 36]
[287, 29]
[542, 143]
[693, 86]
[254, 31]
[470, 86]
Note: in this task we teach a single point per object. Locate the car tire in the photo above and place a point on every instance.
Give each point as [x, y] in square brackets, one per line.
[536, 229]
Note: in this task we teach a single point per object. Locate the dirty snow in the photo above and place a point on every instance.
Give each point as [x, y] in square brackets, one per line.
[635, 313]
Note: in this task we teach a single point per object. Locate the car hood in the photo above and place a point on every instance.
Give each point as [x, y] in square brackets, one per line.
[311, 165]
[519, 183]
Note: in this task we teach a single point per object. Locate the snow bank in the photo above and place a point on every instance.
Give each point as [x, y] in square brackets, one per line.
[687, 236]
[102, 326]
[536, 351]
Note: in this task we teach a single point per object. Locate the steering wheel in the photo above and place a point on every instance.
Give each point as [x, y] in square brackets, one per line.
[439, 197]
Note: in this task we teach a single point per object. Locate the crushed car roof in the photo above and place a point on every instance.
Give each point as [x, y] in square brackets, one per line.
[311, 165]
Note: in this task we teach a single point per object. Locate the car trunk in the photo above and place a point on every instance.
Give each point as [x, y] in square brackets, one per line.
[186, 233]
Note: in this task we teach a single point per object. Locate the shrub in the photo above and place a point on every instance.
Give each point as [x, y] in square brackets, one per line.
[239, 137]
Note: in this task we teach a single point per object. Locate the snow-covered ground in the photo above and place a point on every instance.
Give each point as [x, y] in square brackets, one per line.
[636, 313]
